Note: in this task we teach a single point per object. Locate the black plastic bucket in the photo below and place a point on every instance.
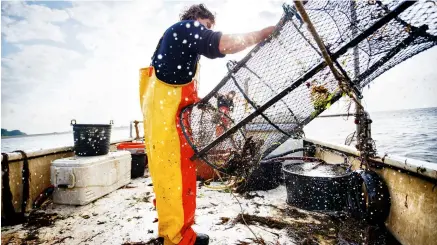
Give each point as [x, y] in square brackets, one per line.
[91, 139]
[265, 177]
[139, 163]
[310, 190]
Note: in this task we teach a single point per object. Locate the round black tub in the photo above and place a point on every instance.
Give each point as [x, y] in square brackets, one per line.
[91, 139]
[314, 185]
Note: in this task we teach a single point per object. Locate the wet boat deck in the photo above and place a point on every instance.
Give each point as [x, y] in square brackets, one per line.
[127, 216]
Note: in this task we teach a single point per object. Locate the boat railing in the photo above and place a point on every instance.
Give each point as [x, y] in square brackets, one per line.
[15, 156]
[423, 168]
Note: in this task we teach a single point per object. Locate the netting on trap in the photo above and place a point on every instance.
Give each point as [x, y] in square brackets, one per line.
[284, 83]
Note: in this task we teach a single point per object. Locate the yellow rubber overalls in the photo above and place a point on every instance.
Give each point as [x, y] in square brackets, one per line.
[173, 173]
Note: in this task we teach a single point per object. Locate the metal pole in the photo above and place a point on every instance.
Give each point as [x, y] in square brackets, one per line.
[356, 56]
[246, 90]
[300, 8]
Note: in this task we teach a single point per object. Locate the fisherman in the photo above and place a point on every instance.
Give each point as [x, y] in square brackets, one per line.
[225, 104]
[167, 86]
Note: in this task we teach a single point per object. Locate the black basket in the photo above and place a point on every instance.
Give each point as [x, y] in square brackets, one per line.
[139, 163]
[91, 139]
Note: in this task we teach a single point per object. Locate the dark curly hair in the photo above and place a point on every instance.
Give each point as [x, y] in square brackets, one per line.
[197, 11]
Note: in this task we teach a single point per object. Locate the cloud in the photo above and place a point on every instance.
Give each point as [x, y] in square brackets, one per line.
[52, 84]
[33, 12]
[31, 22]
[81, 61]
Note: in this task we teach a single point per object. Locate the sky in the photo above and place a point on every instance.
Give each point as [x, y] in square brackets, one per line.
[80, 60]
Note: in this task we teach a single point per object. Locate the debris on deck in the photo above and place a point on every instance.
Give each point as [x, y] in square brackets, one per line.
[127, 216]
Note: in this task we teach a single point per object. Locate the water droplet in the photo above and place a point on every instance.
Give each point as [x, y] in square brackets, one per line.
[179, 67]
[196, 23]
[196, 36]
[190, 73]
[184, 41]
[175, 34]
[157, 71]
[201, 28]
[187, 25]
[159, 56]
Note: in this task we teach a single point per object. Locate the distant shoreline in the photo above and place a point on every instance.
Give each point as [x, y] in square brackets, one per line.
[396, 110]
[386, 111]
[54, 133]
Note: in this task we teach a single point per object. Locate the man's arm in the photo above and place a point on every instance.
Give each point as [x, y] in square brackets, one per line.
[210, 44]
[234, 43]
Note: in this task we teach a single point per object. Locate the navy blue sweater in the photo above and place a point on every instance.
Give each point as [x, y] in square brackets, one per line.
[176, 57]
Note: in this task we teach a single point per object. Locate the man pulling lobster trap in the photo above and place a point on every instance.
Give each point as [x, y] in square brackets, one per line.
[168, 86]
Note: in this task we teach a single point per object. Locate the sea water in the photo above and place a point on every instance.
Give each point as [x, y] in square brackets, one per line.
[406, 133]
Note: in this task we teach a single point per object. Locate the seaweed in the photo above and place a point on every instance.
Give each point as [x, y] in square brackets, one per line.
[32, 224]
[321, 99]
[326, 229]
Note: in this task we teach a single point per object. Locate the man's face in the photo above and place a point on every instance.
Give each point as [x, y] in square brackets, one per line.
[206, 22]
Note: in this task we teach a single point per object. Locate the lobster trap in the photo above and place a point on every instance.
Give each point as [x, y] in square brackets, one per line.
[285, 82]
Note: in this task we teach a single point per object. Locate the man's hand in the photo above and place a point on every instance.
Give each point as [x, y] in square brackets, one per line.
[234, 43]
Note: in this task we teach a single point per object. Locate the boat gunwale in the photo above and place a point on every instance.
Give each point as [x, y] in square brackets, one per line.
[17, 157]
[413, 166]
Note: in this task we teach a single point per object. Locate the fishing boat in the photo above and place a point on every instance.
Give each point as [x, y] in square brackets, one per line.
[397, 196]
[127, 215]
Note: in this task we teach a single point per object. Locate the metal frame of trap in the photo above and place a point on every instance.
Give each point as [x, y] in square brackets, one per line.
[353, 85]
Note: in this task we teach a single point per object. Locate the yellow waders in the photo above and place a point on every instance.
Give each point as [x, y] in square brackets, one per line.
[173, 173]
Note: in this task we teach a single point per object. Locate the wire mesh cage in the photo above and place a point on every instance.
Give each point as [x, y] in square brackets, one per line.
[284, 83]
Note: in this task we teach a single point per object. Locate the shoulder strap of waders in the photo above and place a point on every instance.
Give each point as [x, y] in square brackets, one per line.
[156, 50]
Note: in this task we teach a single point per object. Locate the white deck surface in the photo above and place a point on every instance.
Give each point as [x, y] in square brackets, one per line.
[127, 216]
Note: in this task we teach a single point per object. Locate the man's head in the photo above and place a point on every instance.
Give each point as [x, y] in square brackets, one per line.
[200, 13]
[231, 95]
